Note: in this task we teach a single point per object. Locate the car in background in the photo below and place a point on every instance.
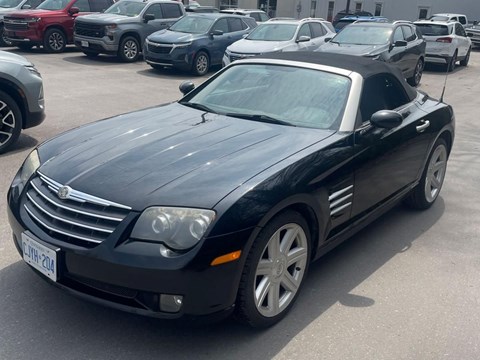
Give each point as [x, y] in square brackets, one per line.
[461, 18]
[280, 35]
[473, 33]
[347, 20]
[9, 6]
[398, 43]
[447, 43]
[50, 24]
[196, 42]
[343, 13]
[201, 9]
[122, 29]
[219, 202]
[259, 15]
[22, 103]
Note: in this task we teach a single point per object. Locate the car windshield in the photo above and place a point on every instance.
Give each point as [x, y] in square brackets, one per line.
[53, 4]
[192, 25]
[432, 29]
[126, 8]
[438, 18]
[273, 32]
[363, 35]
[276, 94]
[9, 3]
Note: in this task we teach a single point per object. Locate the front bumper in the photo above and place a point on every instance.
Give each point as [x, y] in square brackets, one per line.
[179, 58]
[101, 45]
[132, 275]
[30, 36]
[437, 59]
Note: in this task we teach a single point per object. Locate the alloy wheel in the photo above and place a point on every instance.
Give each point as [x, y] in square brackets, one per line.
[130, 49]
[56, 41]
[418, 72]
[8, 122]
[280, 270]
[435, 173]
[202, 64]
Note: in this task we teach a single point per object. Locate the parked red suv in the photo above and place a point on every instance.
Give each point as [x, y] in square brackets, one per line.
[50, 24]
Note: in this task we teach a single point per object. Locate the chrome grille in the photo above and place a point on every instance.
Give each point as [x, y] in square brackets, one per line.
[15, 24]
[340, 200]
[81, 219]
[158, 48]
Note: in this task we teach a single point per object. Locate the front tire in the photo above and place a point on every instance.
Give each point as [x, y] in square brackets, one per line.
[201, 64]
[417, 74]
[129, 49]
[11, 123]
[274, 270]
[426, 192]
[54, 41]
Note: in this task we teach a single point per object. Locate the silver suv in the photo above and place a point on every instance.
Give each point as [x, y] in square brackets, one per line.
[259, 15]
[8, 6]
[122, 28]
[279, 36]
[21, 98]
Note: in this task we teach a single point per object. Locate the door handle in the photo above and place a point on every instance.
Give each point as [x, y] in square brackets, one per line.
[421, 128]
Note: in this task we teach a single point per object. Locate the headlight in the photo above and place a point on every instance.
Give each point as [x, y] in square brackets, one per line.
[33, 20]
[33, 70]
[177, 228]
[182, 45]
[110, 27]
[227, 52]
[31, 164]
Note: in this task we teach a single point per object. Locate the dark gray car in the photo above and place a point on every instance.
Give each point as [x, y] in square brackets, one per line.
[21, 98]
[196, 42]
[122, 28]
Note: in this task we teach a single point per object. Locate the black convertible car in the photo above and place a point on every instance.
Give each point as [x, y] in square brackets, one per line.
[218, 203]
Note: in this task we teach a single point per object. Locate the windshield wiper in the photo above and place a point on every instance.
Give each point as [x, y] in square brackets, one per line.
[260, 118]
[197, 106]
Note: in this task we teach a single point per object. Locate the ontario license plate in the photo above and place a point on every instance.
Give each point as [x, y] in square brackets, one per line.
[39, 256]
[84, 43]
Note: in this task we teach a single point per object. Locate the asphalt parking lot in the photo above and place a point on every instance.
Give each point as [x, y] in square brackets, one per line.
[406, 287]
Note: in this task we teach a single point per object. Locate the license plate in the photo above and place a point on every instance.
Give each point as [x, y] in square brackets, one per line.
[39, 256]
[84, 43]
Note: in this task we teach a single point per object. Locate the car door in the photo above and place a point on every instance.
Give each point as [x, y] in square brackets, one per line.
[318, 35]
[156, 24]
[387, 161]
[305, 45]
[413, 49]
[84, 8]
[463, 40]
[398, 54]
[218, 43]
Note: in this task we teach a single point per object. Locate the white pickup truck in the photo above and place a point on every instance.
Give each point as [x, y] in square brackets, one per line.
[461, 18]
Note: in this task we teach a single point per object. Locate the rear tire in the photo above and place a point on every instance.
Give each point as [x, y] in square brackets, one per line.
[54, 41]
[452, 63]
[426, 192]
[465, 61]
[274, 270]
[11, 124]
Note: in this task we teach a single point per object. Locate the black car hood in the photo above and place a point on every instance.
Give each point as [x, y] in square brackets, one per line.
[168, 36]
[169, 155]
[352, 49]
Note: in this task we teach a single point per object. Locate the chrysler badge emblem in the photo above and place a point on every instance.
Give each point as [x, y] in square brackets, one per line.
[64, 192]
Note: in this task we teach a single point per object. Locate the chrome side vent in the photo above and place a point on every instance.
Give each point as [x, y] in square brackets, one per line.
[340, 200]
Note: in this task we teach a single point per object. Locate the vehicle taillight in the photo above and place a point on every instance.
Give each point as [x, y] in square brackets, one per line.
[445, 40]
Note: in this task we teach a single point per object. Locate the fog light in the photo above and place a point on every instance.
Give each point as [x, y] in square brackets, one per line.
[171, 303]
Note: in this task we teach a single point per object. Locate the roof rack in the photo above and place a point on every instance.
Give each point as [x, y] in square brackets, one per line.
[282, 18]
[371, 21]
[402, 22]
[310, 18]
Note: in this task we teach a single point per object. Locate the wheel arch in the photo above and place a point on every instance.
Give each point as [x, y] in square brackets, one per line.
[17, 94]
[132, 34]
[58, 27]
[448, 137]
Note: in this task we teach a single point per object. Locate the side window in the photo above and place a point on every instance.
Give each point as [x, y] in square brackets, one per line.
[408, 33]
[171, 11]
[100, 5]
[381, 92]
[398, 35]
[454, 18]
[256, 16]
[317, 30]
[462, 20]
[83, 5]
[459, 30]
[244, 25]
[222, 25]
[263, 17]
[155, 10]
[235, 24]
[304, 31]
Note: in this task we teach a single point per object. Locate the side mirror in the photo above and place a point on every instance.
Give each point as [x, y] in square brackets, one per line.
[303, 38]
[148, 17]
[186, 86]
[26, 7]
[400, 43]
[74, 10]
[216, 33]
[386, 119]
[328, 39]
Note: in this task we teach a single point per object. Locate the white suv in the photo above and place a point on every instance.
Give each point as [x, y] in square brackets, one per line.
[281, 35]
[447, 42]
[259, 15]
